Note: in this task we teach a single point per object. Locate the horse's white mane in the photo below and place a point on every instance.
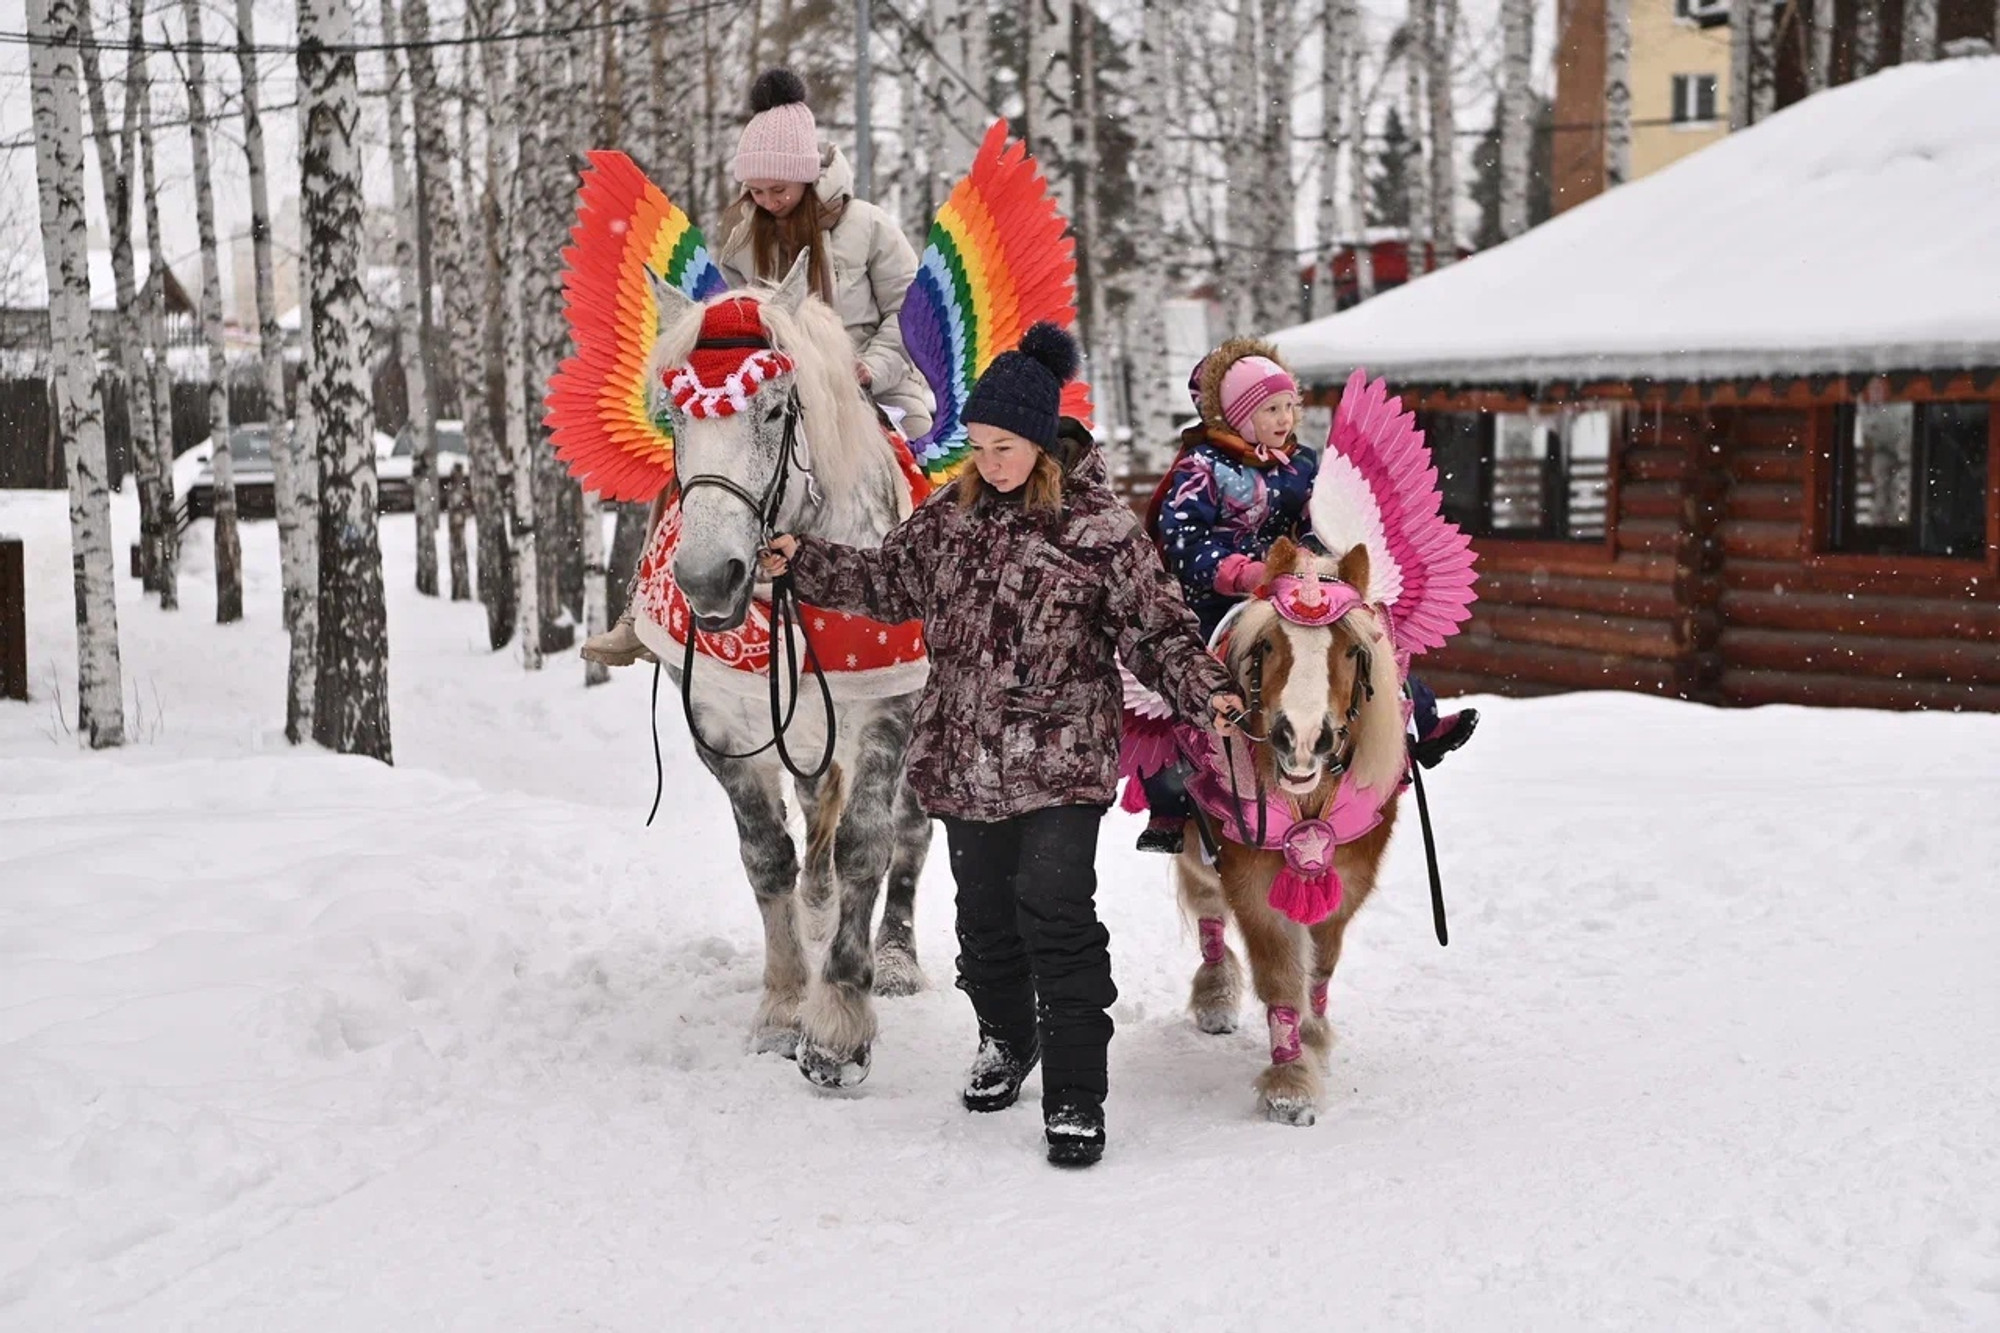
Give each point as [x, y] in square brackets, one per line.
[844, 441]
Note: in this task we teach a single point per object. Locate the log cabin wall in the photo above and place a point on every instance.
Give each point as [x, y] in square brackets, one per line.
[1632, 611]
[1803, 624]
[1716, 580]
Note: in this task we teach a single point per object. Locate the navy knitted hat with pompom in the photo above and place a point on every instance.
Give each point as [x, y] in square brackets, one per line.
[1021, 390]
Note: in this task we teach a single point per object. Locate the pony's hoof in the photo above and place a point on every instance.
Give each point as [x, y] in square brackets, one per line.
[830, 1069]
[1215, 1022]
[1290, 1111]
[775, 1041]
[897, 973]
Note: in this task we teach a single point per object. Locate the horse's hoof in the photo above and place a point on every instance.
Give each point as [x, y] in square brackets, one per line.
[775, 1041]
[1215, 1022]
[830, 1069]
[897, 973]
[1289, 1111]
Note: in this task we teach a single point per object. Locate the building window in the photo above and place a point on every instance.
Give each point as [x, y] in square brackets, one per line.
[1535, 475]
[1694, 99]
[1707, 13]
[1910, 479]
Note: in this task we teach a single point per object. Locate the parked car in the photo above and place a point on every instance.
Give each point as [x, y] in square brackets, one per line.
[251, 472]
[393, 466]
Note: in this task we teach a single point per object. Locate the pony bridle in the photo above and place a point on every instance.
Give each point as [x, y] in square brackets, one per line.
[1310, 600]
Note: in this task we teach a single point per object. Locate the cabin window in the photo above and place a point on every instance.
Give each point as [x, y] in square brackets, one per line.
[1910, 479]
[1694, 99]
[1536, 475]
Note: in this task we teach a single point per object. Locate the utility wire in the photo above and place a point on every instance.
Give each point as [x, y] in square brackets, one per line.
[692, 10]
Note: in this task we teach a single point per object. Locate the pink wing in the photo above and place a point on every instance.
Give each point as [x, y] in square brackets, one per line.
[1378, 487]
[1148, 743]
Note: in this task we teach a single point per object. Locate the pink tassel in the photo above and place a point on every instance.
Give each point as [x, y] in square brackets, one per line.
[1308, 900]
[1134, 800]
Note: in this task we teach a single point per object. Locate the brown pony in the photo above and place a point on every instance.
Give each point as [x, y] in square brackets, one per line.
[1328, 706]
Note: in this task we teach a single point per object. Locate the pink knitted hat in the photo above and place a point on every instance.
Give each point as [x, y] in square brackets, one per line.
[781, 142]
[1248, 385]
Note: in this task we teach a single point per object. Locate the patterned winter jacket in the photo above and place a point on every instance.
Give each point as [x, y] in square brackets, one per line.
[1026, 617]
[1212, 505]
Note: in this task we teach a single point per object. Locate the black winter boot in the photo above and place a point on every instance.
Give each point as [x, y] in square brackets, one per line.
[1163, 834]
[1073, 1124]
[998, 1071]
[1450, 733]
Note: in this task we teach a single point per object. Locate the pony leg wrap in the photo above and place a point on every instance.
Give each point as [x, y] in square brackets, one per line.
[1211, 939]
[1285, 1045]
[1319, 999]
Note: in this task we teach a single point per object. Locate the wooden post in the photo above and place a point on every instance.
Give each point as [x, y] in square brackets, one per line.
[13, 620]
[461, 577]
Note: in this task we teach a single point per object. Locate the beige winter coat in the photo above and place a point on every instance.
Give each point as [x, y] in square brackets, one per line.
[873, 265]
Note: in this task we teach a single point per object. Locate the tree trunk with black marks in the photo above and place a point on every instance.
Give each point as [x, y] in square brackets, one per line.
[1739, 67]
[1444, 134]
[296, 535]
[1517, 110]
[1416, 57]
[158, 387]
[1333, 65]
[457, 259]
[228, 542]
[596, 591]
[1357, 157]
[52, 58]
[1052, 96]
[410, 320]
[351, 710]
[1819, 70]
[115, 160]
[1920, 30]
[1763, 62]
[1617, 93]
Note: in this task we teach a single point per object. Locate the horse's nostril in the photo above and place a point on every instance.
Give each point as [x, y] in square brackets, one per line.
[733, 573]
[1325, 743]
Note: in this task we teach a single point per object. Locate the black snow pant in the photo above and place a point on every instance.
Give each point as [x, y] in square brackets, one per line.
[1032, 954]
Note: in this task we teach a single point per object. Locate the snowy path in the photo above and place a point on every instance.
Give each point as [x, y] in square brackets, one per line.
[292, 1041]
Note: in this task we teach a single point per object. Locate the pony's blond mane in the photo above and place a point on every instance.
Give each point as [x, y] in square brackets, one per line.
[844, 441]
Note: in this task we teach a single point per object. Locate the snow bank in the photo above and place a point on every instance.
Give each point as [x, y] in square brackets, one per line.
[1853, 231]
[289, 1040]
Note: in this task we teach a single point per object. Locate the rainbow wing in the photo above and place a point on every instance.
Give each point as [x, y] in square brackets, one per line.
[1378, 488]
[998, 259]
[598, 413]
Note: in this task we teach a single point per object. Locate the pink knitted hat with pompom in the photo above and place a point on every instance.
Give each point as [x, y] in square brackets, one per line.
[781, 142]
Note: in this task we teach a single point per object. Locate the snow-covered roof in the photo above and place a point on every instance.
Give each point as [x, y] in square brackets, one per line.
[1855, 231]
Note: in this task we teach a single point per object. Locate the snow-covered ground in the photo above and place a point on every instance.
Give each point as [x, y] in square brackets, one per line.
[296, 1041]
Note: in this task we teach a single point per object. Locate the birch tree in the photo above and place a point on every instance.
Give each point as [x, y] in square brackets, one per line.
[300, 609]
[1517, 22]
[1739, 67]
[1920, 30]
[1052, 94]
[1333, 64]
[596, 591]
[53, 43]
[410, 321]
[228, 543]
[1153, 420]
[1867, 40]
[1416, 56]
[1357, 174]
[1763, 62]
[961, 86]
[1617, 93]
[459, 277]
[1444, 132]
[115, 160]
[351, 707]
[159, 387]
[1819, 69]
[518, 86]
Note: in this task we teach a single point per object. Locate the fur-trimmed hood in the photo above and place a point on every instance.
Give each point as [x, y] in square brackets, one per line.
[1206, 383]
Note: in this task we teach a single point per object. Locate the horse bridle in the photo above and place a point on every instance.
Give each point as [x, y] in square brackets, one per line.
[786, 617]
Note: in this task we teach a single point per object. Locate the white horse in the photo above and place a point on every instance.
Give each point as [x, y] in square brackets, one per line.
[806, 455]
